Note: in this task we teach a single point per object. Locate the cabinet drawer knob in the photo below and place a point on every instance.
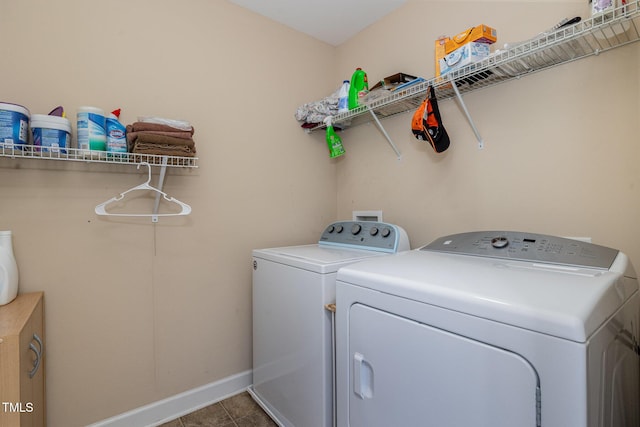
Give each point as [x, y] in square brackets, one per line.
[38, 352]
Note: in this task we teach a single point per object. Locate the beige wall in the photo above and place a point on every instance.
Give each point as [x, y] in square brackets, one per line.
[137, 312]
[561, 148]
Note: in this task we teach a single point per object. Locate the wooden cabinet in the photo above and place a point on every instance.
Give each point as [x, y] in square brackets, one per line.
[22, 350]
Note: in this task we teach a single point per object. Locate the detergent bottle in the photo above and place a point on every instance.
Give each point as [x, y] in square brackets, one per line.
[8, 269]
[358, 89]
[343, 97]
[116, 133]
[333, 140]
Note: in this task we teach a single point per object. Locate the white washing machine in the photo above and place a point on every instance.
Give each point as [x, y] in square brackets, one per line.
[493, 329]
[293, 367]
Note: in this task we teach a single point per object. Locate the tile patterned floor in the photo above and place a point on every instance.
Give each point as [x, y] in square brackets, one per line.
[237, 411]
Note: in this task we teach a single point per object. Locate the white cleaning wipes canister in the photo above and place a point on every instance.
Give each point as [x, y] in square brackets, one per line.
[14, 125]
[50, 133]
[92, 134]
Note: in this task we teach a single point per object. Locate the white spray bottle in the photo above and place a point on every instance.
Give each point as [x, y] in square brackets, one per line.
[8, 269]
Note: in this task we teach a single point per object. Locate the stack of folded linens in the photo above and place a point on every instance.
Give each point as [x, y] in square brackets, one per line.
[164, 137]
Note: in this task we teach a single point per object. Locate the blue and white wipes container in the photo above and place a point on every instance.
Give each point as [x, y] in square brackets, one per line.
[92, 132]
[14, 125]
[51, 134]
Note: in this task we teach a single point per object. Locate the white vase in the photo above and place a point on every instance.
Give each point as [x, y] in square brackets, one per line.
[8, 269]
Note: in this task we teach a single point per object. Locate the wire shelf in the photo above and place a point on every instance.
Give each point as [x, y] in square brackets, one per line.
[593, 36]
[22, 151]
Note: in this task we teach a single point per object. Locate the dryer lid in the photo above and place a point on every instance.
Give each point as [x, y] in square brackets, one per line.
[569, 302]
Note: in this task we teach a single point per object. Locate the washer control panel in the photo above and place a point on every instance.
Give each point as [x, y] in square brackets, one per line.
[368, 235]
[523, 246]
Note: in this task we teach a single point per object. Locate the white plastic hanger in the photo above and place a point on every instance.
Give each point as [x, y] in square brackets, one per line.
[186, 209]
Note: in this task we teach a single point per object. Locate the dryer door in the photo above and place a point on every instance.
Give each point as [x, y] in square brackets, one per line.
[405, 373]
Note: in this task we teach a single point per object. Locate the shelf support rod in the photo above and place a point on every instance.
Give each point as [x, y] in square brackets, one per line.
[386, 135]
[466, 112]
[163, 171]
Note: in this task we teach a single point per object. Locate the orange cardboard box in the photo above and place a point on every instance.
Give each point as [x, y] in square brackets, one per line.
[479, 34]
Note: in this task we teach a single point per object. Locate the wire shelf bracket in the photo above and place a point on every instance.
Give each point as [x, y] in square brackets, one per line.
[468, 115]
[156, 205]
[386, 135]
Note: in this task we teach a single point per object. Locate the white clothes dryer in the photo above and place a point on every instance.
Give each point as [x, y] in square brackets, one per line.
[293, 352]
[490, 329]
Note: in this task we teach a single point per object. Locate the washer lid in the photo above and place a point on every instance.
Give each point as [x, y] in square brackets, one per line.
[564, 301]
[318, 258]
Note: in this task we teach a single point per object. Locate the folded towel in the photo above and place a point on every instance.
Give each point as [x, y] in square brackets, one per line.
[144, 126]
[163, 139]
[132, 136]
[163, 149]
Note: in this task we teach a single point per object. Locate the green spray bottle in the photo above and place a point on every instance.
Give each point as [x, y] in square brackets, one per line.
[358, 89]
[333, 140]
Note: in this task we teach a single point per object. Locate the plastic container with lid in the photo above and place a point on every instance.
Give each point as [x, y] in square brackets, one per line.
[51, 133]
[14, 125]
[92, 133]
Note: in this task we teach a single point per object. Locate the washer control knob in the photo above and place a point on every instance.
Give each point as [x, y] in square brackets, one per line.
[339, 229]
[499, 242]
[355, 229]
[386, 232]
[331, 229]
[373, 231]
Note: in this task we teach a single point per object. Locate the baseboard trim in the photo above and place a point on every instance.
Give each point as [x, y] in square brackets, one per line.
[181, 404]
